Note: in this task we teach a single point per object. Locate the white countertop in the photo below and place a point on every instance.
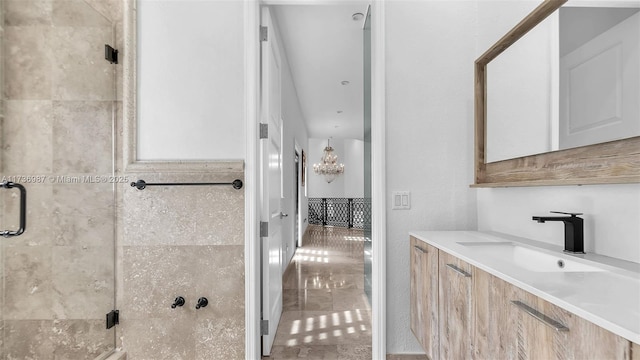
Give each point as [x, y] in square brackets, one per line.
[609, 299]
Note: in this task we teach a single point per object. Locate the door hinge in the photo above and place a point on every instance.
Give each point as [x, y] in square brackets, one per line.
[264, 131]
[264, 33]
[264, 229]
[264, 327]
[110, 54]
[113, 318]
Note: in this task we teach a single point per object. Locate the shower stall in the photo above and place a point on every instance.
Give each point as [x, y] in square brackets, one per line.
[58, 110]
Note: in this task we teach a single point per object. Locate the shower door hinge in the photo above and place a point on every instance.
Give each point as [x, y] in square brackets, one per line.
[264, 131]
[113, 318]
[264, 327]
[264, 229]
[110, 54]
[264, 33]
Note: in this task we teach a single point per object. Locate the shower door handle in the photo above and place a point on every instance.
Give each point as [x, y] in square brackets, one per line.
[23, 209]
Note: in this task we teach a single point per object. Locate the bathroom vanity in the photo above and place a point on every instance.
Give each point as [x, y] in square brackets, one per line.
[477, 295]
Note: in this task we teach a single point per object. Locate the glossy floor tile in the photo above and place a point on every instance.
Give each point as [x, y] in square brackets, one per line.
[326, 314]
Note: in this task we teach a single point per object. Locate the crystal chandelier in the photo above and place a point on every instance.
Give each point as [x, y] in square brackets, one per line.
[329, 166]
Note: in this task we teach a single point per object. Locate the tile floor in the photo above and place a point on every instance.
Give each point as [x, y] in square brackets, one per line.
[326, 314]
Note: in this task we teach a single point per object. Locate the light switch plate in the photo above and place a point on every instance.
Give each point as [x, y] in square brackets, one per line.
[401, 200]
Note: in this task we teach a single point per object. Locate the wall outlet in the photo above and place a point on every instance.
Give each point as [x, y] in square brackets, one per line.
[401, 200]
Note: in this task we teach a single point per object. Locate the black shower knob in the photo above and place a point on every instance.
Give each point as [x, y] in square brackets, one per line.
[179, 301]
[202, 302]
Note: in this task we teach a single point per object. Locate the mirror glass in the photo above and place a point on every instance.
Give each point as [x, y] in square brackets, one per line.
[573, 80]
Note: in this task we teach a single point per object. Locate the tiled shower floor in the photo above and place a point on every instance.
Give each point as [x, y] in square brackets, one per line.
[326, 314]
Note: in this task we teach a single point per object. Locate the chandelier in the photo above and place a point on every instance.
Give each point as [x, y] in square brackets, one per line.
[329, 166]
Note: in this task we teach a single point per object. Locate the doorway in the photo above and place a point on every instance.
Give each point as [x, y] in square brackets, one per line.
[377, 177]
[312, 71]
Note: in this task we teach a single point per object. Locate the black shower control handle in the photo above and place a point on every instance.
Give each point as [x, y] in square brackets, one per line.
[179, 301]
[202, 302]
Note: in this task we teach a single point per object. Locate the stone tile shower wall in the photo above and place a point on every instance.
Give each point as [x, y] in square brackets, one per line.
[182, 241]
[59, 276]
[57, 104]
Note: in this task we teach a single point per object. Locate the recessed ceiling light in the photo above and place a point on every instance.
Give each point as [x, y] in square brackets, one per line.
[357, 16]
[344, 82]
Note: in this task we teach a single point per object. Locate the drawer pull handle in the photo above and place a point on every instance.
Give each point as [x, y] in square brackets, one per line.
[420, 249]
[556, 325]
[458, 270]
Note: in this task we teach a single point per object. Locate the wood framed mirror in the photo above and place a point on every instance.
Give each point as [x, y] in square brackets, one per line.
[610, 162]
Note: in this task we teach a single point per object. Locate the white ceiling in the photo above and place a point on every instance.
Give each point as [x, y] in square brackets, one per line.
[324, 47]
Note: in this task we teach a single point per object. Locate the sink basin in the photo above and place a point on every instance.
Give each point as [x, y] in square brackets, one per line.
[530, 259]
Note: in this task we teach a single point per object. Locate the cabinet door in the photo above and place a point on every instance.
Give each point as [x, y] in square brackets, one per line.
[585, 340]
[424, 296]
[417, 302]
[545, 331]
[495, 330]
[455, 307]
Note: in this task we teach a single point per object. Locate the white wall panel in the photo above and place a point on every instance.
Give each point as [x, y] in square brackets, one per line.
[190, 80]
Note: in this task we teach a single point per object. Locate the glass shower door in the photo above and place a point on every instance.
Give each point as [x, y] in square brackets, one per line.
[57, 141]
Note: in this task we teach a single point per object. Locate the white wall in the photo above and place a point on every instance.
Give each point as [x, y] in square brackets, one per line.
[354, 174]
[611, 211]
[429, 139]
[295, 132]
[350, 184]
[190, 80]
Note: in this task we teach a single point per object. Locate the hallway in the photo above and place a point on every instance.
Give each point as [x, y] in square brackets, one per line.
[326, 314]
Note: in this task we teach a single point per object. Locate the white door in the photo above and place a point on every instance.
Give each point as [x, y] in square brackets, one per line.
[600, 87]
[271, 184]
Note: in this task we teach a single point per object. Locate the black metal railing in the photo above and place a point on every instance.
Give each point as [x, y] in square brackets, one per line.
[342, 212]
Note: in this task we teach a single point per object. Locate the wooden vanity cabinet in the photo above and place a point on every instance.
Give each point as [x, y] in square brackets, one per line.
[424, 296]
[461, 312]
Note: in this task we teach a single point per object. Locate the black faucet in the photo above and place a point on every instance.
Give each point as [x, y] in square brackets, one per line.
[573, 230]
